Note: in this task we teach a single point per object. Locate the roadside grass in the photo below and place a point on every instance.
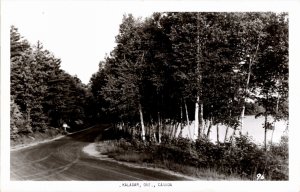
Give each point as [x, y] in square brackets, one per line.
[242, 160]
[30, 138]
[113, 150]
[201, 173]
[108, 147]
[132, 157]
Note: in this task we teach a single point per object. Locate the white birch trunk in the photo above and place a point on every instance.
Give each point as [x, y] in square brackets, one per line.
[265, 138]
[242, 118]
[247, 85]
[225, 137]
[187, 119]
[196, 127]
[159, 128]
[201, 127]
[181, 119]
[209, 128]
[277, 105]
[142, 122]
[218, 133]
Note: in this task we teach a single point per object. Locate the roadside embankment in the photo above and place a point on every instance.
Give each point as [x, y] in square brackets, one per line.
[31, 139]
[202, 159]
[93, 150]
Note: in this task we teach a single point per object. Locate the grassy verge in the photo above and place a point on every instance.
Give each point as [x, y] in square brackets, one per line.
[36, 137]
[146, 158]
[242, 160]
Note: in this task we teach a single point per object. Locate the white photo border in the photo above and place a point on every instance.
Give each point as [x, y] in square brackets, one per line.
[292, 7]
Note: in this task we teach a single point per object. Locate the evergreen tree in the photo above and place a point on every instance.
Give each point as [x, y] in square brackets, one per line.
[16, 120]
[42, 94]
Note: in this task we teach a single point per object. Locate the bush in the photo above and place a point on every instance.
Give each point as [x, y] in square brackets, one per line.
[182, 143]
[242, 157]
[165, 139]
[17, 122]
[281, 149]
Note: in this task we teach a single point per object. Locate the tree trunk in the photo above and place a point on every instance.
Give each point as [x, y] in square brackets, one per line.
[234, 130]
[277, 105]
[177, 128]
[209, 128]
[227, 128]
[132, 132]
[148, 133]
[201, 129]
[272, 134]
[247, 85]
[265, 140]
[159, 128]
[198, 75]
[181, 120]
[171, 129]
[218, 141]
[153, 132]
[205, 127]
[142, 122]
[196, 125]
[187, 119]
[242, 117]
[225, 137]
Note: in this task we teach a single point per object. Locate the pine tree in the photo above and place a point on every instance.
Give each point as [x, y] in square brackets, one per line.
[16, 120]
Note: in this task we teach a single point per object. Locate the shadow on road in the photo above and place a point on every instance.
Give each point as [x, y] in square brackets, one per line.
[102, 131]
[88, 135]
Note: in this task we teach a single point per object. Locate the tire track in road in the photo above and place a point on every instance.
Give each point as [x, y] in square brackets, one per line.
[35, 161]
[111, 170]
[51, 172]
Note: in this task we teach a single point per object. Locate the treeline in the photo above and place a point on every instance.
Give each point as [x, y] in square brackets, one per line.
[43, 96]
[170, 69]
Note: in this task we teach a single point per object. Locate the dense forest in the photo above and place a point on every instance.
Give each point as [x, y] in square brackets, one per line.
[173, 68]
[165, 72]
[43, 96]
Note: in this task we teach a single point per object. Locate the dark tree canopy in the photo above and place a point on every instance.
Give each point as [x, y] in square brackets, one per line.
[158, 61]
[42, 94]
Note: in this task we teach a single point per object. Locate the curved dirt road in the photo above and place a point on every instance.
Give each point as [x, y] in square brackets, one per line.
[63, 159]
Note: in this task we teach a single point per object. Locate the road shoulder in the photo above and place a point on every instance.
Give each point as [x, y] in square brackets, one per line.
[24, 146]
[91, 150]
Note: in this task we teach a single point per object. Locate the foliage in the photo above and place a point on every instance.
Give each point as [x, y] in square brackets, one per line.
[281, 149]
[162, 64]
[242, 157]
[42, 94]
[16, 120]
[169, 62]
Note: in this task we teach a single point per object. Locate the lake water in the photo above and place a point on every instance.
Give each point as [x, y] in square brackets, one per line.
[252, 126]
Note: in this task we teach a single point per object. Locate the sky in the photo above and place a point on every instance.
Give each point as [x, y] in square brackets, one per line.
[78, 33]
[81, 33]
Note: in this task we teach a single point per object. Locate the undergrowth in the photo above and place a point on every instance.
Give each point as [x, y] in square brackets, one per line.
[28, 138]
[240, 160]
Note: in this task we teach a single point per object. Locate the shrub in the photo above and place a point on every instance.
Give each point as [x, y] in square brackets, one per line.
[17, 121]
[281, 149]
[242, 157]
[165, 139]
[122, 143]
[182, 143]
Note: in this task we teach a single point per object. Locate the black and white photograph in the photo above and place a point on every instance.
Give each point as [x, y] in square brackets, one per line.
[146, 97]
